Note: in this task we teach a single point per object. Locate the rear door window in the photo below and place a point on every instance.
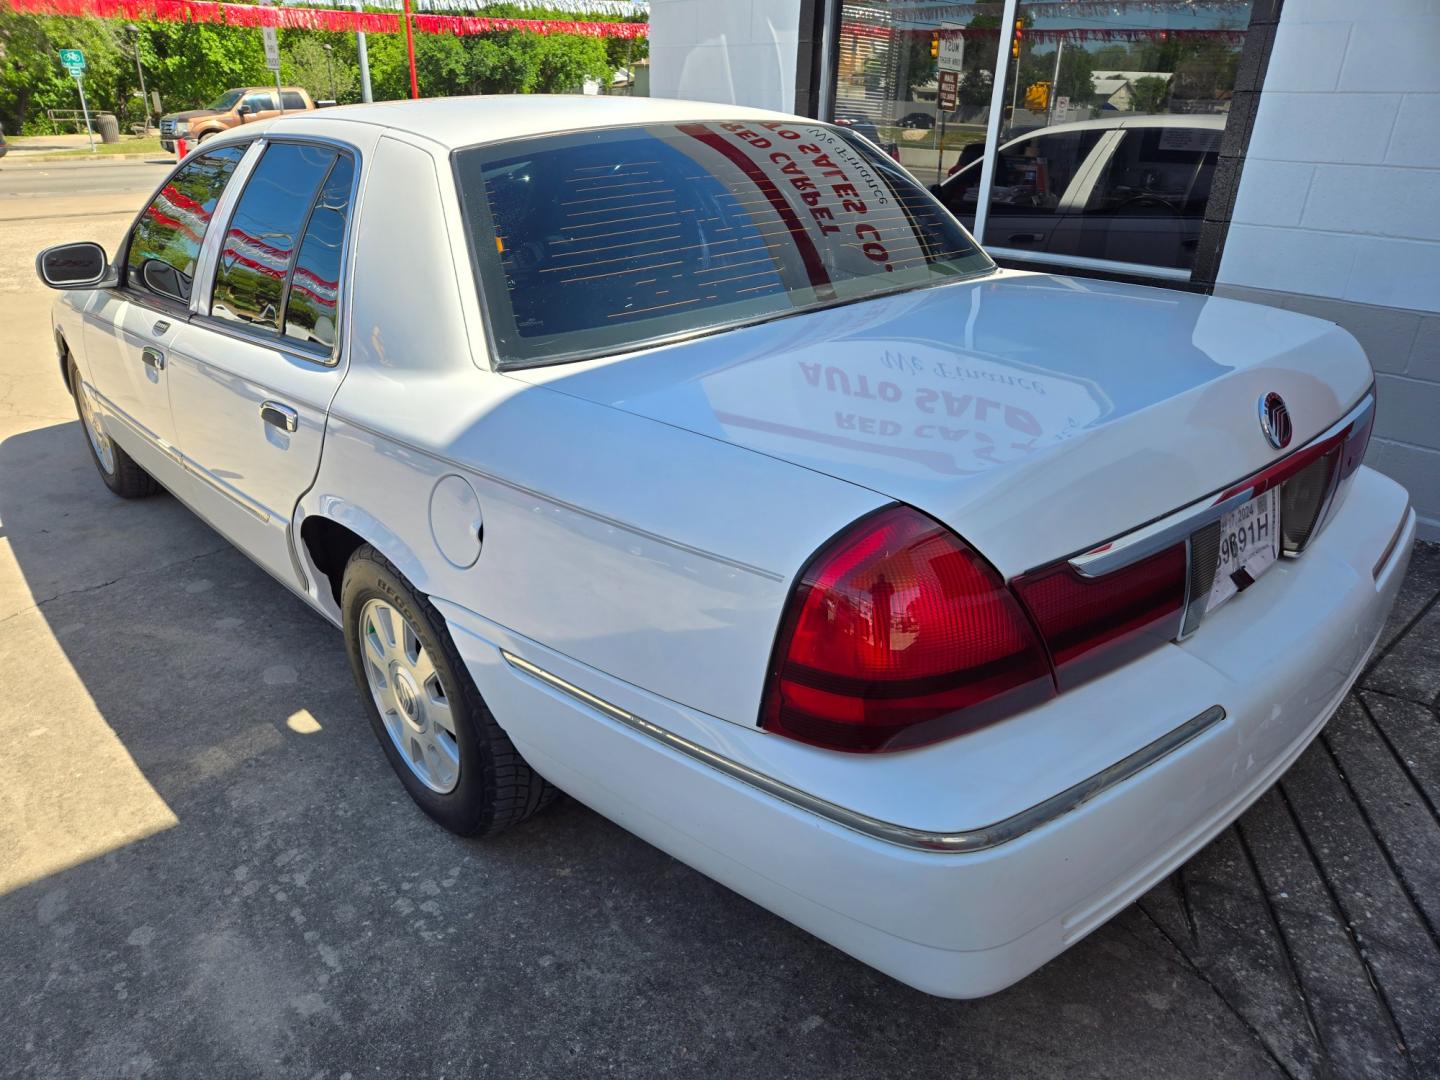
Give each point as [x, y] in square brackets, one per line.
[264, 233]
[292, 100]
[160, 258]
[1158, 171]
[598, 241]
[312, 300]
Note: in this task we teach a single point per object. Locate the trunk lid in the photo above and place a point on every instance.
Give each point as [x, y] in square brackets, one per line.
[1036, 415]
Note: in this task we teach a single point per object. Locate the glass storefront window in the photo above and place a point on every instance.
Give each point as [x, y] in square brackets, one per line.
[1110, 117]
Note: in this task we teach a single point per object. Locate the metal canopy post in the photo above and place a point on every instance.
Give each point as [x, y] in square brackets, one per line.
[992, 128]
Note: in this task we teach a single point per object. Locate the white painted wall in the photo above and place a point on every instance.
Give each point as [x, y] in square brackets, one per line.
[1338, 211]
[737, 51]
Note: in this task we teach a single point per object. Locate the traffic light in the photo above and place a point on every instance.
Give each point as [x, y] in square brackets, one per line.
[1018, 37]
[935, 45]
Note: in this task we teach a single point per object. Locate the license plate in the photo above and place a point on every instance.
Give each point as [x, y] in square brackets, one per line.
[1249, 545]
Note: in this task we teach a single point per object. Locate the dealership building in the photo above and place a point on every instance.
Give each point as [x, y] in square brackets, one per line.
[1285, 152]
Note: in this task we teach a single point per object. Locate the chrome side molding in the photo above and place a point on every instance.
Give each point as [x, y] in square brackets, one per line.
[958, 842]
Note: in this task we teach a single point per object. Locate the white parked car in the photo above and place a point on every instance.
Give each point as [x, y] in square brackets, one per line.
[693, 460]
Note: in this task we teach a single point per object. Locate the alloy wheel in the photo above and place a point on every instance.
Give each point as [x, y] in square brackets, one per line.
[411, 698]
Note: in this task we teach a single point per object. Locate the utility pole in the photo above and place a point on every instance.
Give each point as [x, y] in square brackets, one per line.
[1054, 83]
[134, 32]
[364, 57]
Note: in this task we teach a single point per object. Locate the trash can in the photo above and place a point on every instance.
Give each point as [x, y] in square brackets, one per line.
[108, 127]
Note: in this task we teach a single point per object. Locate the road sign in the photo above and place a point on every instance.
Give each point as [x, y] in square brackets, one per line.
[74, 61]
[952, 47]
[949, 85]
[272, 48]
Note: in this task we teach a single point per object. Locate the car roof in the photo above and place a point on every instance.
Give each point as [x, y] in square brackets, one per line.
[466, 121]
[1214, 121]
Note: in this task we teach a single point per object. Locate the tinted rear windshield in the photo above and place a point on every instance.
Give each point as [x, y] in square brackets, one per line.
[597, 241]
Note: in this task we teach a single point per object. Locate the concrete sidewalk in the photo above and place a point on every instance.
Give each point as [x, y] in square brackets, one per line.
[207, 868]
[70, 147]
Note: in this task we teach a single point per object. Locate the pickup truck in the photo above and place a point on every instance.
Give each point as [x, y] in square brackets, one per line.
[234, 107]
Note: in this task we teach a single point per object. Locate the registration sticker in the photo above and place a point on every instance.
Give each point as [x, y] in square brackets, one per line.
[1249, 545]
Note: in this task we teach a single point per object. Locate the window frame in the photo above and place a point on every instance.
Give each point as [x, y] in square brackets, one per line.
[281, 342]
[145, 297]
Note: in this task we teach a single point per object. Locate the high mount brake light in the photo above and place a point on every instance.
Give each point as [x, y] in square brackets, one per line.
[899, 634]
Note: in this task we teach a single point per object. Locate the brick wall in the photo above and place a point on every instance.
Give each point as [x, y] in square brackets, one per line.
[737, 51]
[1338, 209]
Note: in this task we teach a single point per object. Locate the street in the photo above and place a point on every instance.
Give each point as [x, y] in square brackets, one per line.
[208, 869]
[21, 179]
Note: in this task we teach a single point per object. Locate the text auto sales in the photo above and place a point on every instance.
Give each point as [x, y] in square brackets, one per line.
[812, 194]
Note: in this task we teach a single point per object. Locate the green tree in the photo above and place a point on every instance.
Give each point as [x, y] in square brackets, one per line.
[191, 64]
[326, 72]
[1077, 77]
[33, 80]
[1149, 95]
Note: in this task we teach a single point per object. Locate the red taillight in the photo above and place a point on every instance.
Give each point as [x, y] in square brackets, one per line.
[1093, 625]
[899, 634]
[1356, 443]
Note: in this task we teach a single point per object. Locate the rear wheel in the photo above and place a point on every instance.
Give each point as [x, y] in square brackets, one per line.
[117, 468]
[443, 742]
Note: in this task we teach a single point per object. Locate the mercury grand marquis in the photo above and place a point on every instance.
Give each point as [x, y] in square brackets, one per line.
[693, 460]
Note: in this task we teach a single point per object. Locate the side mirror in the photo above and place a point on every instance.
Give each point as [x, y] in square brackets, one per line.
[243, 111]
[74, 266]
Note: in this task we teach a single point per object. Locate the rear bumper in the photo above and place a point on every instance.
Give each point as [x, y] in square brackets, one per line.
[961, 922]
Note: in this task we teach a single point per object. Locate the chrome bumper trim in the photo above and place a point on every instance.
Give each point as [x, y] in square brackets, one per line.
[1394, 543]
[959, 842]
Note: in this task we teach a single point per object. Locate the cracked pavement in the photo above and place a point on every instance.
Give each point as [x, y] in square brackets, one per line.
[208, 870]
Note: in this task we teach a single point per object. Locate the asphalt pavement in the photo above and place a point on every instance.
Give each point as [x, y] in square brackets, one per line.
[20, 179]
[207, 868]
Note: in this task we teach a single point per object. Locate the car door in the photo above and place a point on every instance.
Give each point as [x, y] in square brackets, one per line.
[129, 330]
[253, 372]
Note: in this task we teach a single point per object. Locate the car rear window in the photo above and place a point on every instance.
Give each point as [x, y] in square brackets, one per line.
[598, 241]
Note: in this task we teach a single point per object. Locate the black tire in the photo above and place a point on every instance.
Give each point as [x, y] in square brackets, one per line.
[125, 478]
[496, 788]
[203, 136]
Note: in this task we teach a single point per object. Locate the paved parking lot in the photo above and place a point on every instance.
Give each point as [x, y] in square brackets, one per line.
[208, 870]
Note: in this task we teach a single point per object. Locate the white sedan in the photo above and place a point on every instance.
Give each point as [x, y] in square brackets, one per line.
[695, 461]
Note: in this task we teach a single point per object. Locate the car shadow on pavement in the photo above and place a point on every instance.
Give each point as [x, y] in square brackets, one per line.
[290, 911]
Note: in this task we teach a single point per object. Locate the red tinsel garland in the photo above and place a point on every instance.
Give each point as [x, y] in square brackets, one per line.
[292, 18]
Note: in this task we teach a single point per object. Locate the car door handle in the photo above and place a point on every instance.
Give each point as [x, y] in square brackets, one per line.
[153, 358]
[281, 416]
[1024, 237]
